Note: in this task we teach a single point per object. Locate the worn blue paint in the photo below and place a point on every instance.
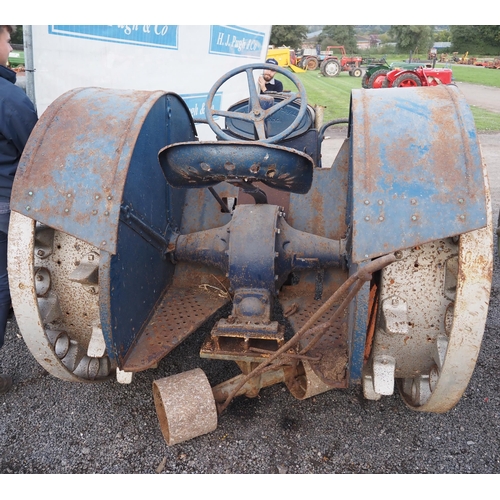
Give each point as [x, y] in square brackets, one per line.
[139, 273]
[84, 143]
[97, 151]
[197, 165]
[358, 325]
[417, 172]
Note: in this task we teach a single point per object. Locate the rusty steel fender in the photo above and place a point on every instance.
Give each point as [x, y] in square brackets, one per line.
[90, 170]
[416, 170]
[73, 172]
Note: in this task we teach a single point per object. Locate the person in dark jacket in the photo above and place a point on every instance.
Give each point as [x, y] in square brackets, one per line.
[17, 119]
[267, 82]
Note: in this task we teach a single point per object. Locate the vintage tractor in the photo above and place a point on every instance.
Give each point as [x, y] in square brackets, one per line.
[128, 234]
[374, 76]
[418, 77]
[332, 65]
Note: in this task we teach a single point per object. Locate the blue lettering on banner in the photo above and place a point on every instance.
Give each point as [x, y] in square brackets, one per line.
[197, 104]
[235, 41]
[150, 35]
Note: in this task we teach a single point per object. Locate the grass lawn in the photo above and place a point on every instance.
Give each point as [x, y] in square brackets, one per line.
[475, 74]
[335, 93]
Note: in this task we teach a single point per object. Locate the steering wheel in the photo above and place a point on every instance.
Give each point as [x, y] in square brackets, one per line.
[257, 114]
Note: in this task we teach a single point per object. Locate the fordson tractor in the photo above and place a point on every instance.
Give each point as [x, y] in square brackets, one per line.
[128, 233]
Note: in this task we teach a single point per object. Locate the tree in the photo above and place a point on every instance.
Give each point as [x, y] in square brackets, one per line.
[290, 36]
[442, 36]
[414, 38]
[17, 37]
[339, 35]
[476, 39]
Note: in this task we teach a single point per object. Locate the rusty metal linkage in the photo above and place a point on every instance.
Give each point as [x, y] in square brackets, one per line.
[358, 278]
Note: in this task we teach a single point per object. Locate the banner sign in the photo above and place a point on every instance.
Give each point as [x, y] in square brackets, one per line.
[236, 41]
[185, 59]
[160, 36]
[197, 102]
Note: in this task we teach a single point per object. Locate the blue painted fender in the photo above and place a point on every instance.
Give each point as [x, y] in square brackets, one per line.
[73, 171]
[90, 169]
[416, 171]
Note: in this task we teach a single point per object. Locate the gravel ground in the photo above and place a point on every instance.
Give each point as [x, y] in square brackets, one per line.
[51, 426]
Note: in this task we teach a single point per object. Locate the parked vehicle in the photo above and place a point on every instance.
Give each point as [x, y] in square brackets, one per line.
[374, 76]
[128, 233]
[331, 64]
[418, 77]
[16, 58]
[286, 58]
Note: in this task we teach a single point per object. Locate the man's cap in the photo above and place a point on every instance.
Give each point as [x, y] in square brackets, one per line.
[272, 61]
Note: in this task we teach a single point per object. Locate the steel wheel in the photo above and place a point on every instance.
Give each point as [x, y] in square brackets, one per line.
[432, 312]
[465, 318]
[55, 293]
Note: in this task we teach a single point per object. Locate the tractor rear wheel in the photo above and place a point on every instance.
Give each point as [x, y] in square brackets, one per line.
[330, 68]
[407, 80]
[56, 300]
[311, 64]
[443, 385]
[377, 78]
[432, 308]
[364, 81]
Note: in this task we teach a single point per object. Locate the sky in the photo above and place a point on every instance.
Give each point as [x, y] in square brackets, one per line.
[231, 12]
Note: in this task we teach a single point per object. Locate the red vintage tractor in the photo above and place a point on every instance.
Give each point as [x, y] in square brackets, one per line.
[417, 77]
[331, 64]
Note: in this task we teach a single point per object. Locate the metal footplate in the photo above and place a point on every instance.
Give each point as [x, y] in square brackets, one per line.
[179, 314]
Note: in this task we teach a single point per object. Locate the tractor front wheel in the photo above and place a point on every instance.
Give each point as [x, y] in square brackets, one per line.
[330, 68]
[407, 80]
[377, 78]
[356, 72]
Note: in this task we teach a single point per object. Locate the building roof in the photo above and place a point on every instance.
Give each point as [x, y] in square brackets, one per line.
[442, 45]
[314, 34]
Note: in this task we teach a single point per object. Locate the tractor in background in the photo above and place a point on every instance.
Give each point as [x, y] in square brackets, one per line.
[332, 65]
[286, 58]
[375, 74]
[128, 234]
[418, 77]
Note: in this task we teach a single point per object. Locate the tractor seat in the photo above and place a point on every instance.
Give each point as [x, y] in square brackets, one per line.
[205, 164]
